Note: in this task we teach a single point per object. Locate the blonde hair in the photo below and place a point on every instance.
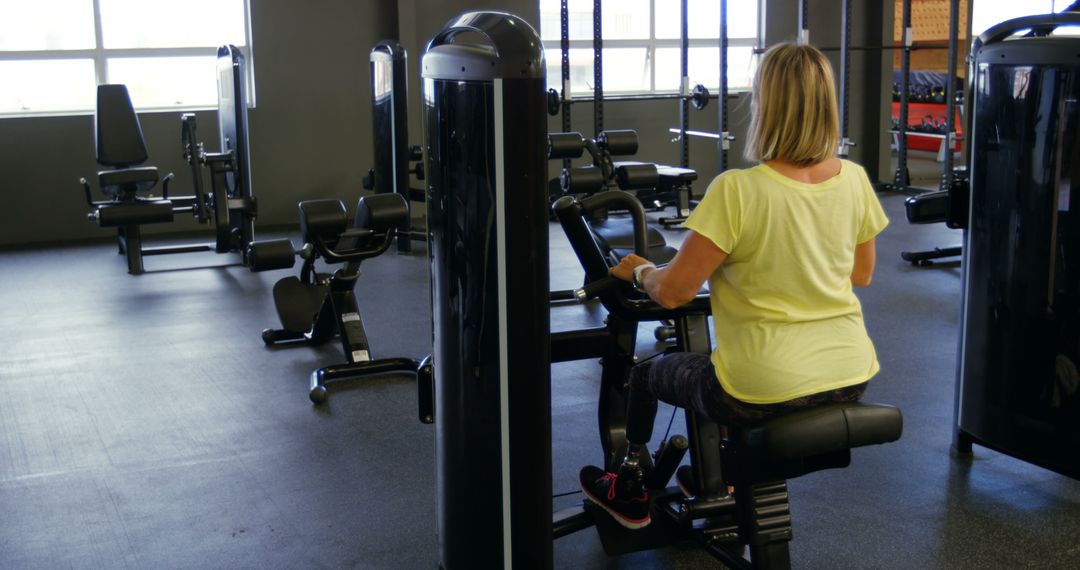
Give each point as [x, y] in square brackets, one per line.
[793, 116]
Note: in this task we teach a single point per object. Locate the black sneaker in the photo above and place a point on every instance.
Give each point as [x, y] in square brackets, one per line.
[603, 489]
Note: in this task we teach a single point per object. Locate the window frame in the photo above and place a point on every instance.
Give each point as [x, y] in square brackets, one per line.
[100, 56]
[652, 44]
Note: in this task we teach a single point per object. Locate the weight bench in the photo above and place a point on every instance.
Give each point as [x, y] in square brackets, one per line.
[315, 307]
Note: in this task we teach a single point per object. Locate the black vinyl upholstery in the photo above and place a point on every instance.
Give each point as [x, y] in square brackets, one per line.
[382, 212]
[322, 219]
[814, 439]
[118, 134]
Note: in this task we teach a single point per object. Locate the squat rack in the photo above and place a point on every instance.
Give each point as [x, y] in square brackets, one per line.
[698, 96]
[902, 180]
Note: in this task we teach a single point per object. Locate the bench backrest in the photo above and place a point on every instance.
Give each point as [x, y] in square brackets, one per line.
[117, 133]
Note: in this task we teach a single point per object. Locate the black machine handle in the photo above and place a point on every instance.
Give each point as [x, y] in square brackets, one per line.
[354, 254]
[503, 31]
[1009, 27]
[594, 289]
[617, 199]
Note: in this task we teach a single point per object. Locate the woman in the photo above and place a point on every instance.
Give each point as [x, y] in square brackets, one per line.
[781, 245]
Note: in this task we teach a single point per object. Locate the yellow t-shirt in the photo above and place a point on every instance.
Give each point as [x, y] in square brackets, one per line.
[787, 321]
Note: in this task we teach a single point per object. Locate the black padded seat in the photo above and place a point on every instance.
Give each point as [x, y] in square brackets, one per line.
[130, 180]
[810, 440]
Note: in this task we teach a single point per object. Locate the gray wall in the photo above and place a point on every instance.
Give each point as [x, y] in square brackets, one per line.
[311, 129]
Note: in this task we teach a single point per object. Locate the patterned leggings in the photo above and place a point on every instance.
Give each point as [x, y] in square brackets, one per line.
[688, 380]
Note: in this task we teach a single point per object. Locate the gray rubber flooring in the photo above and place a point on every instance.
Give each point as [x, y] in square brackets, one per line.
[143, 424]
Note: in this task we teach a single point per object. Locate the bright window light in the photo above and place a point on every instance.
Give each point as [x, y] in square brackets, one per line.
[46, 25]
[191, 23]
[641, 44]
[987, 13]
[163, 82]
[47, 86]
[165, 52]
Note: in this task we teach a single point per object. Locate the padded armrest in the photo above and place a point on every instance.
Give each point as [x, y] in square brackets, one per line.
[614, 233]
[822, 430]
[658, 254]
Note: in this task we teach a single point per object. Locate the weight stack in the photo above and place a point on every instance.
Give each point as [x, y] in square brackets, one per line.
[485, 133]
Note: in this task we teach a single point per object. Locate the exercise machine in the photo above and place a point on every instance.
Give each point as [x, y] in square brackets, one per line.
[314, 307]
[395, 160]
[741, 500]
[492, 382]
[229, 206]
[1018, 389]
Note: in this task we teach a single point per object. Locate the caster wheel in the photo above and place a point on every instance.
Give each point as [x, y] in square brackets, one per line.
[268, 337]
[317, 394]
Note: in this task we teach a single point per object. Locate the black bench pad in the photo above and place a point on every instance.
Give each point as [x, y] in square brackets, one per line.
[814, 439]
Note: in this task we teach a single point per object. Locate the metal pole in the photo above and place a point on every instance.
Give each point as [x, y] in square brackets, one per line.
[804, 23]
[598, 69]
[845, 75]
[901, 179]
[564, 43]
[684, 88]
[721, 119]
[950, 93]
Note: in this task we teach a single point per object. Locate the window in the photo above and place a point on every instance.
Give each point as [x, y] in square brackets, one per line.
[53, 53]
[642, 43]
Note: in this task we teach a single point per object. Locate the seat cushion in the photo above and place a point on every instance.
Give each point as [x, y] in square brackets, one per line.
[823, 429]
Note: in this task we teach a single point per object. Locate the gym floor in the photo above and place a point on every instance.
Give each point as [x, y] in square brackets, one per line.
[143, 424]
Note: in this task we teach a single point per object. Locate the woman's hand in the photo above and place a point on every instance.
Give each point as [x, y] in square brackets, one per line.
[625, 269]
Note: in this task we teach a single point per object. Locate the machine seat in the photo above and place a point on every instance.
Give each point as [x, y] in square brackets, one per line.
[810, 440]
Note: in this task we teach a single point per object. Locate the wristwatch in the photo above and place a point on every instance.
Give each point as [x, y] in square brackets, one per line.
[639, 275]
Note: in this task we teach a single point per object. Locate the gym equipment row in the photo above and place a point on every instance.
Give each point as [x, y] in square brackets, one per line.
[230, 205]
[492, 388]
